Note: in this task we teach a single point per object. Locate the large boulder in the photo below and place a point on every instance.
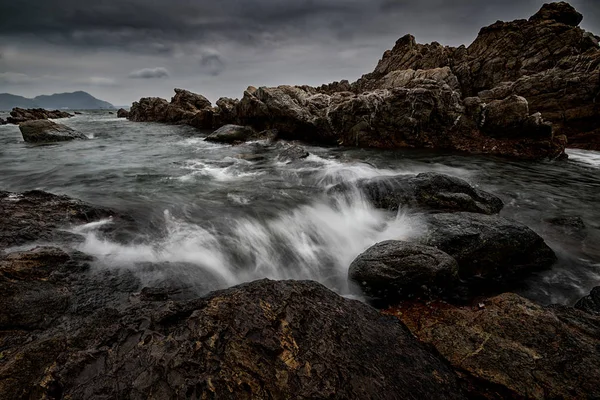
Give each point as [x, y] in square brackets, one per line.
[122, 113]
[293, 153]
[19, 115]
[393, 270]
[181, 110]
[590, 303]
[231, 134]
[510, 118]
[428, 191]
[488, 247]
[511, 348]
[44, 131]
[264, 339]
[149, 109]
[560, 12]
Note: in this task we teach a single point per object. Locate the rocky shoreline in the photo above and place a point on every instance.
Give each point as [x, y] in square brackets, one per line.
[523, 89]
[447, 324]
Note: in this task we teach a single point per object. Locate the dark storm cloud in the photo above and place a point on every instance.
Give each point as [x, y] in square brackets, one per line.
[159, 26]
[149, 73]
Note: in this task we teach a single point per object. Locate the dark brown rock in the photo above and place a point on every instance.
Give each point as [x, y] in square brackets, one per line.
[511, 348]
[122, 113]
[265, 339]
[560, 12]
[395, 270]
[44, 131]
[231, 134]
[149, 109]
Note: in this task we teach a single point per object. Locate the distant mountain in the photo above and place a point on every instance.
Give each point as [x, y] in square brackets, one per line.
[73, 101]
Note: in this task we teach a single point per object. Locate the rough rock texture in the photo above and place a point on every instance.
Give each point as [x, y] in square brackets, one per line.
[122, 113]
[37, 216]
[3, 122]
[149, 109]
[488, 247]
[265, 339]
[591, 303]
[183, 109]
[293, 153]
[395, 270]
[548, 60]
[430, 191]
[512, 348]
[18, 115]
[44, 131]
[231, 134]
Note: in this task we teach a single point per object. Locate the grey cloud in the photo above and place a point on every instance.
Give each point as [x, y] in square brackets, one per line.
[149, 73]
[211, 62]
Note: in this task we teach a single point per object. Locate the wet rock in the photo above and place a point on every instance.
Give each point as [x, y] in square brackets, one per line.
[430, 191]
[293, 153]
[184, 106]
[77, 113]
[3, 122]
[231, 134]
[37, 216]
[394, 270]
[591, 303]
[18, 115]
[513, 348]
[488, 247]
[122, 113]
[203, 119]
[265, 339]
[44, 131]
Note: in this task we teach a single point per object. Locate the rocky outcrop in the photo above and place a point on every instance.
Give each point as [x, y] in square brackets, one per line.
[427, 191]
[591, 303]
[19, 115]
[509, 347]
[488, 248]
[395, 270]
[548, 60]
[182, 109]
[44, 131]
[149, 109]
[122, 113]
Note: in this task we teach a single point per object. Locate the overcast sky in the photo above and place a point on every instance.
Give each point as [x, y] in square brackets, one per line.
[121, 50]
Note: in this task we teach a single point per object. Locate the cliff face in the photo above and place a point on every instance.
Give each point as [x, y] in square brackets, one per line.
[547, 59]
[492, 97]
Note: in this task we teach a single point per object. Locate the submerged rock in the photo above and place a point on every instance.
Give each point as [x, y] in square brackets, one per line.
[591, 303]
[394, 270]
[264, 339]
[231, 134]
[512, 348]
[122, 113]
[44, 131]
[430, 191]
[488, 247]
[569, 225]
[19, 115]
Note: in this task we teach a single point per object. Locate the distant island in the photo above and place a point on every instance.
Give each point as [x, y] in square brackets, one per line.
[73, 101]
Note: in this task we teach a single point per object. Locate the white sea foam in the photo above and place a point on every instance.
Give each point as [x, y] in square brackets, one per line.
[585, 157]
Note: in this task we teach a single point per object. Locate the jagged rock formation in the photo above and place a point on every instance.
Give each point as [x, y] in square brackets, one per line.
[18, 115]
[510, 348]
[491, 97]
[122, 113]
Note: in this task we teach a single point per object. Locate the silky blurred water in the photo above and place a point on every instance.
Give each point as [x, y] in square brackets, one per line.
[214, 215]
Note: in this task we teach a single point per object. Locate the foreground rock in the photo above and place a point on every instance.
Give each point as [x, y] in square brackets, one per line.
[590, 304]
[429, 191]
[231, 134]
[260, 340]
[122, 113]
[293, 153]
[513, 348]
[44, 131]
[38, 216]
[488, 247]
[398, 270]
[19, 115]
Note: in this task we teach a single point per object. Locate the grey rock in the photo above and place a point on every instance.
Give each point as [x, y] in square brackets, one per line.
[44, 131]
[394, 270]
[231, 134]
[591, 303]
[293, 153]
